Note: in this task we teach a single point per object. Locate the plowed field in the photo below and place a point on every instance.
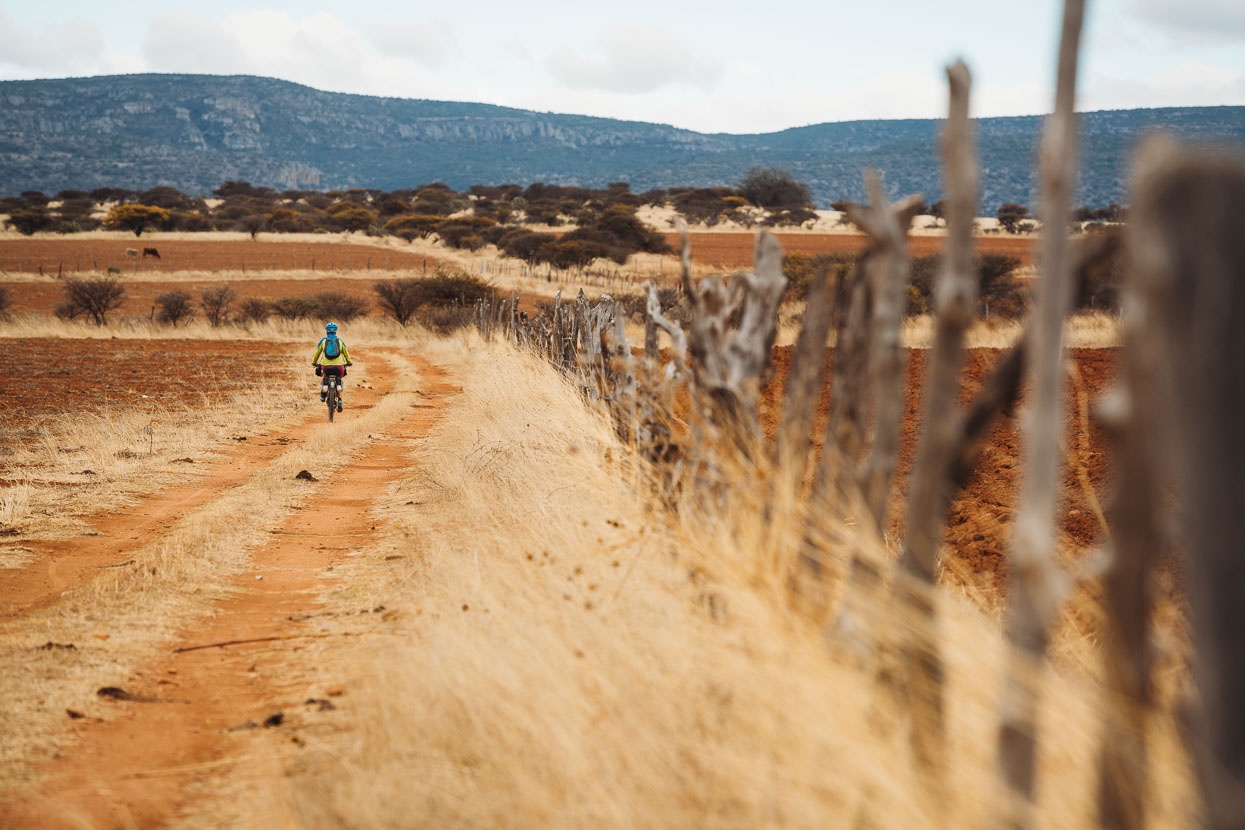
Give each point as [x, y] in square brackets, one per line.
[72, 256]
[979, 525]
[62, 376]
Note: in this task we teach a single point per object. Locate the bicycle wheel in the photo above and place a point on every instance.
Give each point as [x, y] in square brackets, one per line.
[331, 399]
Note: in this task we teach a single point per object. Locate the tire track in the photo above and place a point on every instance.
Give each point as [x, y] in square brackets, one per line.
[62, 565]
[200, 702]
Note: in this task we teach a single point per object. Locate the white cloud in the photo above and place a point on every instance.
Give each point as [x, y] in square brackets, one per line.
[631, 59]
[72, 46]
[1197, 20]
[319, 50]
[1185, 85]
[425, 43]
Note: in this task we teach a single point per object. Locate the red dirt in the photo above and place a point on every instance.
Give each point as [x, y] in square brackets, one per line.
[60, 376]
[734, 250]
[75, 256]
[138, 768]
[979, 524]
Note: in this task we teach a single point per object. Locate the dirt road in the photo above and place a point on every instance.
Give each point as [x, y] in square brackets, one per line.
[189, 712]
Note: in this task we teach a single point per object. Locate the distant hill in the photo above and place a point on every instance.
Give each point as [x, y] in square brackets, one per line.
[195, 131]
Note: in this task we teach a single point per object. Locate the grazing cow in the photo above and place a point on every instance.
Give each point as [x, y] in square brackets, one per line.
[131, 253]
[150, 252]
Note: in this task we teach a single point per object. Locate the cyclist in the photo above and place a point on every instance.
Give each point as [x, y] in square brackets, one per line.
[331, 359]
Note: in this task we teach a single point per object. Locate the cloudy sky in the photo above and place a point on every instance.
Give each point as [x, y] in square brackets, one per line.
[723, 66]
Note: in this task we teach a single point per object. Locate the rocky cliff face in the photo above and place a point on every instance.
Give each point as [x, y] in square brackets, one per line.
[195, 131]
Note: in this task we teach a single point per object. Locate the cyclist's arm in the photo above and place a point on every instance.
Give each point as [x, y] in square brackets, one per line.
[345, 352]
[315, 360]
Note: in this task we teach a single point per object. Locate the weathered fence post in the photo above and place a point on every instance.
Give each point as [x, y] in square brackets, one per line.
[1188, 255]
[928, 490]
[1036, 589]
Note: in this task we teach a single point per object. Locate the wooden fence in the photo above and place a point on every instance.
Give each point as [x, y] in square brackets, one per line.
[1174, 421]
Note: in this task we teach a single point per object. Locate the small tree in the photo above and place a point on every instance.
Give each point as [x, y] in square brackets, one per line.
[136, 218]
[252, 223]
[411, 225]
[29, 221]
[1011, 214]
[292, 308]
[399, 299]
[176, 307]
[94, 298]
[339, 306]
[216, 303]
[770, 187]
[255, 310]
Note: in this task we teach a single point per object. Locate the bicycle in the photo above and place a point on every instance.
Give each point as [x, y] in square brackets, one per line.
[335, 388]
[332, 383]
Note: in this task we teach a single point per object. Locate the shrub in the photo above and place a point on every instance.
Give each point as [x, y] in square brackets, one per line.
[94, 298]
[464, 231]
[29, 220]
[996, 288]
[347, 217]
[339, 306]
[175, 307]
[702, 204]
[399, 299]
[770, 187]
[254, 310]
[673, 301]
[216, 303]
[137, 218]
[67, 226]
[292, 308]
[525, 245]
[182, 220]
[446, 300]
[1010, 215]
[790, 216]
[408, 226]
[801, 269]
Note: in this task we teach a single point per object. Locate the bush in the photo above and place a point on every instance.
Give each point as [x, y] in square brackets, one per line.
[1010, 215]
[293, 308]
[175, 307]
[801, 269]
[137, 218]
[93, 298]
[408, 226]
[774, 188]
[791, 217]
[702, 204]
[67, 226]
[339, 306]
[464, 231]
[674, 305]
[254, 310]
[446, 300]
[525, 245]
[996, 288]
[399, 299]
[216, 303]
[349, 217]
[28, 221]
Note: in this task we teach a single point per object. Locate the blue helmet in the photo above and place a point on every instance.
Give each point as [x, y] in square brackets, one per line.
[331, 328]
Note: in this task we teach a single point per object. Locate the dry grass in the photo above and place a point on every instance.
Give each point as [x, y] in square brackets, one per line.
[563, 655]
[121, 619]
[130, 454]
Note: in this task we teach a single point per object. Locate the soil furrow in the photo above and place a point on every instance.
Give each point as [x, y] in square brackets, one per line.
[138, 768]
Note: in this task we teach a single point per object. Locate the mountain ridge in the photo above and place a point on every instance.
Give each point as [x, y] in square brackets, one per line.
[195, 131]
